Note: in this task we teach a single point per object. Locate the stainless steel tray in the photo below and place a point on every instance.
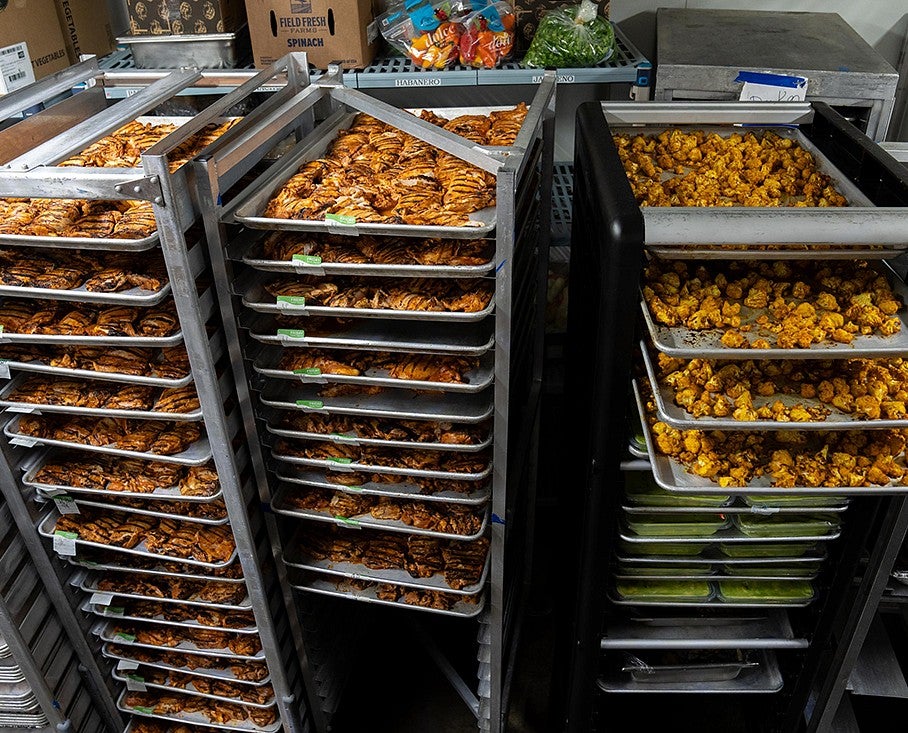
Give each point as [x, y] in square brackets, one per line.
[711, 575]
[39, 368]
[726, 536]
[211, 673]
[256, 298]
[191, 573]
[249, 205]
[672, 476]
[761, 509]
[714, 603]
[266, 365]
[374, 335]
[188, 690]
[111, 612]
[250, 253]
[637, 452]
[82, 243]
[132, 296]
[403, 490]
[46, 529]
[171, 493]
[337, 465]
[196, 718]
[105, 630]
[670, 413]
[195, 455]
[353, 439]
[366, 521]
[711, 556]
[357, 571]
[461, 609]
[681, 673]
[59, 339]
[28, 407]
[404, 405]
[89, 584]
[147, 512]
[689, 344]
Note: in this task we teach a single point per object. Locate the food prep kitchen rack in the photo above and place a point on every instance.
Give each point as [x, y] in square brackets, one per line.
[506, 337]
[602, 333]
[30, 151]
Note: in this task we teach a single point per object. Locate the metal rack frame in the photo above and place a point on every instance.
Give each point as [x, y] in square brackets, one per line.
[32, 172]
[225, 162]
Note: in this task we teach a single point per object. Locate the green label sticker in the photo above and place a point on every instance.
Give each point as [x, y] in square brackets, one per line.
[291, 299]
[311, 404]
[114, 610]
[346, 437]
[144, 710]
[292, 333]
[307, 259]
[341, 219]
[352, 488]
[339, 459]
[308, 371]
[124, 636]
[135, 677]
[89, 563]
[66, 535]
[348, 522]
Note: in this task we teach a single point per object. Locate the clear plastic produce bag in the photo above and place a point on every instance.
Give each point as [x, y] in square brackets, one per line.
[572, 36]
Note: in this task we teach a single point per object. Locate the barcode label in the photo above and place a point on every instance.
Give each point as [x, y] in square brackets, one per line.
[15, 68]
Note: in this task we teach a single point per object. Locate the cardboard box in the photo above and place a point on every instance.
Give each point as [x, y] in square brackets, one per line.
[530, 12]
[86, 27]
[33, 23]
[327, 30]
[183, 17]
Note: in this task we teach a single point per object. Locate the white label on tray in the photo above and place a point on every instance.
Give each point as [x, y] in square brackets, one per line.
[127, 665]
[134, 683]
[101, 599]
[761, 87]
[66, 504]
[24, 409]
[15, 68]
[65, 543]
[24, 442]
[4, 369]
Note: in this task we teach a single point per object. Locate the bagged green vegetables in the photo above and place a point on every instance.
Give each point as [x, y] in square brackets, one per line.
[571, 36]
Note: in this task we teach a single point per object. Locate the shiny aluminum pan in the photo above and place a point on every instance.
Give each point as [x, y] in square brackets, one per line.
[211, 673]
[711, 575]
[712, 557]
[365, 521]
[714, 603]
[196, 718]
[400, 404]
[165, 494]
[46, 529]
[105, 630]
[196, 454]
[192, 574]
[353, 439]
[250, 253]
[462, 609]
[373, 335]
[133, 296]
[476, 381]
[672, 476]
[685, 343]
[249, 205]
[726, 536]
[58, 339]
[403, 490]
[339, 465]
[16, 693]
[357, 571]
[256, 298]
[29, 407]
[112, 612]
[761, 509]
[89, 584]
[82, 243]
[670, 413]
[148, 512]
[39, 368]
[120, 677]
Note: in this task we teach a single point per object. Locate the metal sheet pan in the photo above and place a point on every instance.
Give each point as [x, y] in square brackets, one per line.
[164, 494]
[726, 536]
[403, 490]
[212, 673]
[760, 509]
[711, 556]
[39, 368]
[636, 452]
[198, 719]
[686, 343]
[715, 603]
[678, 417]
[711, 575]
[672, 476]
[366, 521]
[196, 454]
[353, 439]
[374, 335]
[249, 252]
[192, 573]
[107, 612]
[46, 529]
[841, 251]
[148, 512]
[105, 630]
[250, 204]
[401, 404]
[675, 673]
[357, 571]
[63, 340]
[256, 298]
[477, 380]
[365, 468]
[6, 400]
[189, 690]
[132, 296]
[89, 584]
[82, 243]
[461, 609]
